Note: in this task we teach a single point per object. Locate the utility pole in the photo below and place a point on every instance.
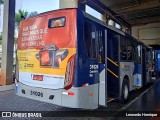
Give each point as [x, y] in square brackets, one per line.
[8, 42]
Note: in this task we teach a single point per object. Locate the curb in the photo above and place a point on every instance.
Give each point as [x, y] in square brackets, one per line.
[7, 87]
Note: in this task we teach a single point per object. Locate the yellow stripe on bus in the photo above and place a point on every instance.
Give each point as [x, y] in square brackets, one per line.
[112, 73]
[111, 100]
[112, 61]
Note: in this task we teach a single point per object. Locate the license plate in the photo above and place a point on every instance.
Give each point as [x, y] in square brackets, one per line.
[36, 93]
[38, 77]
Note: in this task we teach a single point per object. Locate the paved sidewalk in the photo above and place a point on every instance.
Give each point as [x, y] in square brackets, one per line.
[7, 87]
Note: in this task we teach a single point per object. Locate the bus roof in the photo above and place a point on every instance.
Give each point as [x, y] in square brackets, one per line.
[114, 29]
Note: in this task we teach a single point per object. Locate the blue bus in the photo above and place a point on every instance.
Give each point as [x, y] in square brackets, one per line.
[69, 58]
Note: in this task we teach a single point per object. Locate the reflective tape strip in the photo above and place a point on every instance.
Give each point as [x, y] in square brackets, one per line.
[65, 93]
[83, 85]
[71, 93]
[68, 93]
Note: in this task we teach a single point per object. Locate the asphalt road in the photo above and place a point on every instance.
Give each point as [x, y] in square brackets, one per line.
[11, 103]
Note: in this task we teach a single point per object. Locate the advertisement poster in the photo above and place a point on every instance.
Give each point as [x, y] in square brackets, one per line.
[45, 44]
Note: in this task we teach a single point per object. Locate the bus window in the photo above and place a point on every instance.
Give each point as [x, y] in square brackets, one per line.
[134, 52]
[94, 47]
[112, 46]
[138, 53]
[130, 50]
[101, 47]
[90, 40]
[123, 52]
[57, 22]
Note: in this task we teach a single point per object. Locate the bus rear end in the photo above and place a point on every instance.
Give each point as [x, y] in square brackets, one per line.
[46, 58]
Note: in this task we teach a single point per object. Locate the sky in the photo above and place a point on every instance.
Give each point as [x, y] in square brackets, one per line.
[40, 5]
[47, 5]
[31, 6]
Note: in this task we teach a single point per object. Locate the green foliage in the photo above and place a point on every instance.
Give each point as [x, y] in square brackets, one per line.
[1, 2]
[0, 36]
[20, 16]
[23, 15]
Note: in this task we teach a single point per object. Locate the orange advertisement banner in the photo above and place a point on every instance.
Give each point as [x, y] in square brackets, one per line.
[46, 42]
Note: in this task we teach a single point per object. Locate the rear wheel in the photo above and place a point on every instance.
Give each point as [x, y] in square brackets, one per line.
[125, 91]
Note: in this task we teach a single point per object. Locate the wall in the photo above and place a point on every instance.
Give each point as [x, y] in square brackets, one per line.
[68, 4]
[149, 33]
[1, 17]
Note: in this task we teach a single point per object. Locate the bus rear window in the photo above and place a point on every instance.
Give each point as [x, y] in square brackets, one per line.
[57, 22]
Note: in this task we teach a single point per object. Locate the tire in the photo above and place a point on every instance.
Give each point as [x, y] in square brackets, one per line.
[125, 91]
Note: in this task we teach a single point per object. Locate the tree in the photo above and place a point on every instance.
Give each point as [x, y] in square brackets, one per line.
[20, 16]
[23, 15]
[0, 36]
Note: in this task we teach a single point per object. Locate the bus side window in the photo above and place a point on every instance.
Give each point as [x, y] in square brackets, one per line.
[130, 50]
[90, 40]
[134, 52]
[94, 45]
[138, 53]
[123, 52]
[101, 47]
[112, 45]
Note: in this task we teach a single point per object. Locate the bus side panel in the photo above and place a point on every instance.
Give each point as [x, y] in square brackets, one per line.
[85, 66]
[137, 73]
[81, 63]
[134, 73]
[87, 86]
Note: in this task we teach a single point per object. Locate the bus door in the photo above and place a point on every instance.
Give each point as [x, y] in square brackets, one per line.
[102, 42]
[113, 82]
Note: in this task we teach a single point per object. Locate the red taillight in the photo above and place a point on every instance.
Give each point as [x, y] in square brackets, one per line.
[45, 57]
[69, 76]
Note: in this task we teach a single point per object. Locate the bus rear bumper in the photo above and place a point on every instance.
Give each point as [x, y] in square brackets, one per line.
[82, 97]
